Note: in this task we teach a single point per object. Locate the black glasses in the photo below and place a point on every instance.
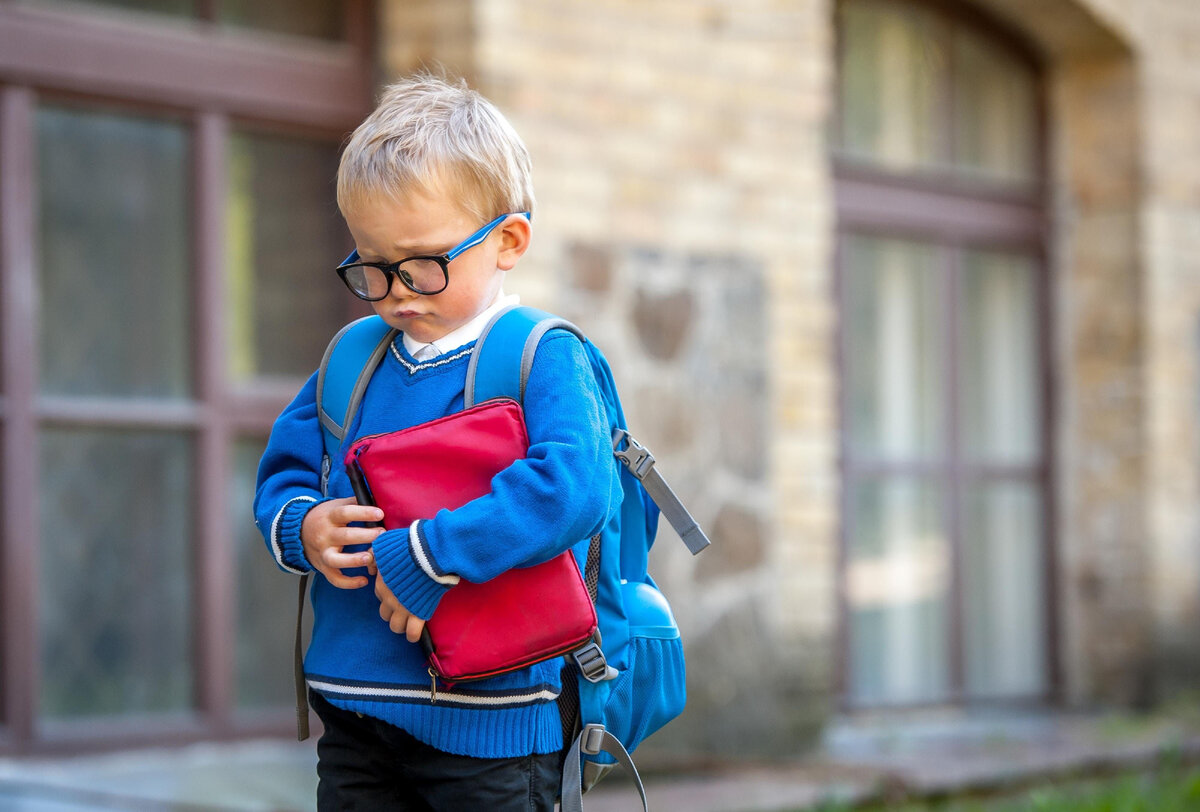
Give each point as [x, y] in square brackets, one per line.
[425, 275]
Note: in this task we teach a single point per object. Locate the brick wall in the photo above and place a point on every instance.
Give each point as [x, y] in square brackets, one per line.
[1170, 252]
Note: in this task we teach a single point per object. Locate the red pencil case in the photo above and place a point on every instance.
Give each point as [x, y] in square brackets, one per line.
[520, 617]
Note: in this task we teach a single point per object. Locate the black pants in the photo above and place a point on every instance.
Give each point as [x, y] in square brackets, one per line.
[367, 765]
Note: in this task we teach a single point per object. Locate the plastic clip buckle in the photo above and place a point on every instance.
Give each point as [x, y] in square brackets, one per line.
[591, 740]
[637, 457]
[591, 662]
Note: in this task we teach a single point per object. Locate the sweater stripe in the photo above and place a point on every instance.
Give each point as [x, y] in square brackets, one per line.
[276, 542]
[420, 554]
[448, 697]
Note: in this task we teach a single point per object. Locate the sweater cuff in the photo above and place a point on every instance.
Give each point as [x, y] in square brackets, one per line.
[402, 561]
[286, 545]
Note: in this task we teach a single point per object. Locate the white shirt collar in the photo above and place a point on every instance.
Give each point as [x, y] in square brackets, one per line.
[463, 335]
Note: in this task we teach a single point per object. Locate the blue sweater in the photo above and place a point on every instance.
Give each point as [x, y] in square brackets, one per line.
[562, 493]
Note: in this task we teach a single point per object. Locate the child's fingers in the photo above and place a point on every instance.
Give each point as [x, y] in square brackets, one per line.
[397, 622]
[335, 558]
[350, 511]
[342, 581]
[348, 536]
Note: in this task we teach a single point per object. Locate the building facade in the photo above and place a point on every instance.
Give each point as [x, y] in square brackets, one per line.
[903, 294]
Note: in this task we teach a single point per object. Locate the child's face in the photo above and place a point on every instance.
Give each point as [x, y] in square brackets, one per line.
[387, 230]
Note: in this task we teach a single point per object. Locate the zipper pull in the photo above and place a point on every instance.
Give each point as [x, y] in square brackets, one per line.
[432, 686]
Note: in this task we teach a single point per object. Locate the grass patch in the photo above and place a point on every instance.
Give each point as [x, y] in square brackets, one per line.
[1172, 788]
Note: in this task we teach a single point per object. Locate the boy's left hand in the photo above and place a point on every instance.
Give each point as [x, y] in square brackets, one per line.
[399, 619]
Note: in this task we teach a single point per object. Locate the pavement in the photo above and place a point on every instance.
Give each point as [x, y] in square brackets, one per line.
[861, 759]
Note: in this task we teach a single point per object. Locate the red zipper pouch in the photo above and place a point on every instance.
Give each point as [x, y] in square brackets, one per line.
[520, 617]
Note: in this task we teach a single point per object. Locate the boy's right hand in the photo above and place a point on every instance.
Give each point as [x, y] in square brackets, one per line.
[325, 531]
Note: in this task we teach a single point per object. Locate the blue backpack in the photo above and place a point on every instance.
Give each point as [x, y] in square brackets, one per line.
[616, 691]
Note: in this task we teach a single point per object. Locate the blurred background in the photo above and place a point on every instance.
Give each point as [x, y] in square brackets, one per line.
[903, 294]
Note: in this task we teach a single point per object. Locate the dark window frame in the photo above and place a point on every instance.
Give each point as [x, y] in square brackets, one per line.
[954, 214]
[213, 79]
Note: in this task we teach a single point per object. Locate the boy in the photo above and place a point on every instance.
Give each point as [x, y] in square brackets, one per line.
[435, 188]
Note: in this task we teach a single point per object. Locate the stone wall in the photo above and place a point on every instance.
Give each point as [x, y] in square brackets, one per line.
[1130, 236]
[1101, 532]
[1170, 32]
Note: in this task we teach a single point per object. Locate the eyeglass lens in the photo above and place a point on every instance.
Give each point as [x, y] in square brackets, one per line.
[419, 275]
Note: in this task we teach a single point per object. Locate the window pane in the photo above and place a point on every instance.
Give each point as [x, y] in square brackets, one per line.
[893, 76]
[114, 247]
[894, 338]
[309, 18]
[177, 8]
[285, 239]
[1002, 591]
[999, 359]
[896, 585]
[266, 598]
[995, 130]
[115, 595]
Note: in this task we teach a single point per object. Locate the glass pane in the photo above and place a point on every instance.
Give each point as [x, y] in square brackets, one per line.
[177, 8]
[115, 595]
[894, 69]
[894, 336]
[285, 239]
[309, 18]
[995, 127]
[115, 242]
[896, 585]
[999, 359]
[1002, 591]
[266, 597]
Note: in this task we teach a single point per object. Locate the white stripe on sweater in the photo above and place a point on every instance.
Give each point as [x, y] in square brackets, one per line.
[421, 556]
[368, 692]
[276, 545]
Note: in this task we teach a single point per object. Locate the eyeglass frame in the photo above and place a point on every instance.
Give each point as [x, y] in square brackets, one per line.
[391, 270]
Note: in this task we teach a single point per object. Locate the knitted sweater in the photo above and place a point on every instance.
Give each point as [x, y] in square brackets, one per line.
[562, 493]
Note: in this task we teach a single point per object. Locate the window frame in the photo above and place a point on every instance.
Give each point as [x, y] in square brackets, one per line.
[953, 214]
[212, 78]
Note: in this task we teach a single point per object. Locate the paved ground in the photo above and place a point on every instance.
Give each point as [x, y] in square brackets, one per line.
[859, 760]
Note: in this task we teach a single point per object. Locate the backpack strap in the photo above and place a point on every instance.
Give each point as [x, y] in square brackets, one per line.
[298, 663]
[640, 462]
[503, 356]
[346, 369]
[593, 740]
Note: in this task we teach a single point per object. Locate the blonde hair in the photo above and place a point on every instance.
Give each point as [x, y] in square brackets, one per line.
[430, 135]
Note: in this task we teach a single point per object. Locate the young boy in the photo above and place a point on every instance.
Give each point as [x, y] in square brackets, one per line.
[435, 188]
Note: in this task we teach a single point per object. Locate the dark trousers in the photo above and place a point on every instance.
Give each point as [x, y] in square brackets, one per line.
[367, 765]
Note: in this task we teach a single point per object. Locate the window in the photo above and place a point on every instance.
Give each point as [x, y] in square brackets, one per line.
[942, 290]
[167, 217]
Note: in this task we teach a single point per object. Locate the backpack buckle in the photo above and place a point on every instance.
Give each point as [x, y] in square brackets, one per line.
[637, 457]
[592, 664]
[591, 739]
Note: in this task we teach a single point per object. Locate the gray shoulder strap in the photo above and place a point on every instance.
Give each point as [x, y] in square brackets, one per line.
[592, 740]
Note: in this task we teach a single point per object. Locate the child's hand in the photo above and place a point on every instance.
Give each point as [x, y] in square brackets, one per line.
[399, 619]
[326, 531]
